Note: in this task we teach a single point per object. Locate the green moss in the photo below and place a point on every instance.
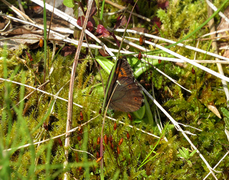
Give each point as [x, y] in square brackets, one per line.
[180, 19]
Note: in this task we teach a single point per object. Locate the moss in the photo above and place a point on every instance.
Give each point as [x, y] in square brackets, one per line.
[180, 19]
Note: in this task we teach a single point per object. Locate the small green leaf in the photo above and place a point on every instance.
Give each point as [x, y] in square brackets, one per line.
[184, 153]
[193, 152]
[105, 63]
[68, 3]
[226, 119]
[138, 66]
[139, 114]
[225, 112]
[189, 163]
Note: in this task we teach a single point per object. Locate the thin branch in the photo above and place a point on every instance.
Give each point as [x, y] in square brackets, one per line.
[71, 86]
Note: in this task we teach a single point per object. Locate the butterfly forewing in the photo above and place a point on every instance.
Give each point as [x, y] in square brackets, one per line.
[127, 96]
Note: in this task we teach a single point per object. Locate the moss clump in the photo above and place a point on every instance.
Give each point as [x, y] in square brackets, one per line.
[40, 116]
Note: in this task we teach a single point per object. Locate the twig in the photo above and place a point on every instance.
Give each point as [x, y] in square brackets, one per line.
[37, 89]
[71, 86]
[20, 6]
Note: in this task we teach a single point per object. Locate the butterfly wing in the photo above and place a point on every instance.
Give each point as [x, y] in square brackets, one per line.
[127, 96]
[113, 81]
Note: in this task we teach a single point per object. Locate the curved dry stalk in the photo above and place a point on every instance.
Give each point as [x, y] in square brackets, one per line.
[77, 150]
[171, 79]
[71, 87]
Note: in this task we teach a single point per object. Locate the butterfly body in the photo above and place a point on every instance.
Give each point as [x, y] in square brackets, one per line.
[124, 93]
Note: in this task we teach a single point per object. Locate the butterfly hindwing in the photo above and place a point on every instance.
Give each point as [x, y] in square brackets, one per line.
[127, 97]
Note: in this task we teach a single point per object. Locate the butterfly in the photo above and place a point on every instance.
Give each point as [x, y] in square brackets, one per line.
[124, 92]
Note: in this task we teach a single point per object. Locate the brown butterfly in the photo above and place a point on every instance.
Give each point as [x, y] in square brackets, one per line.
[127, 96]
